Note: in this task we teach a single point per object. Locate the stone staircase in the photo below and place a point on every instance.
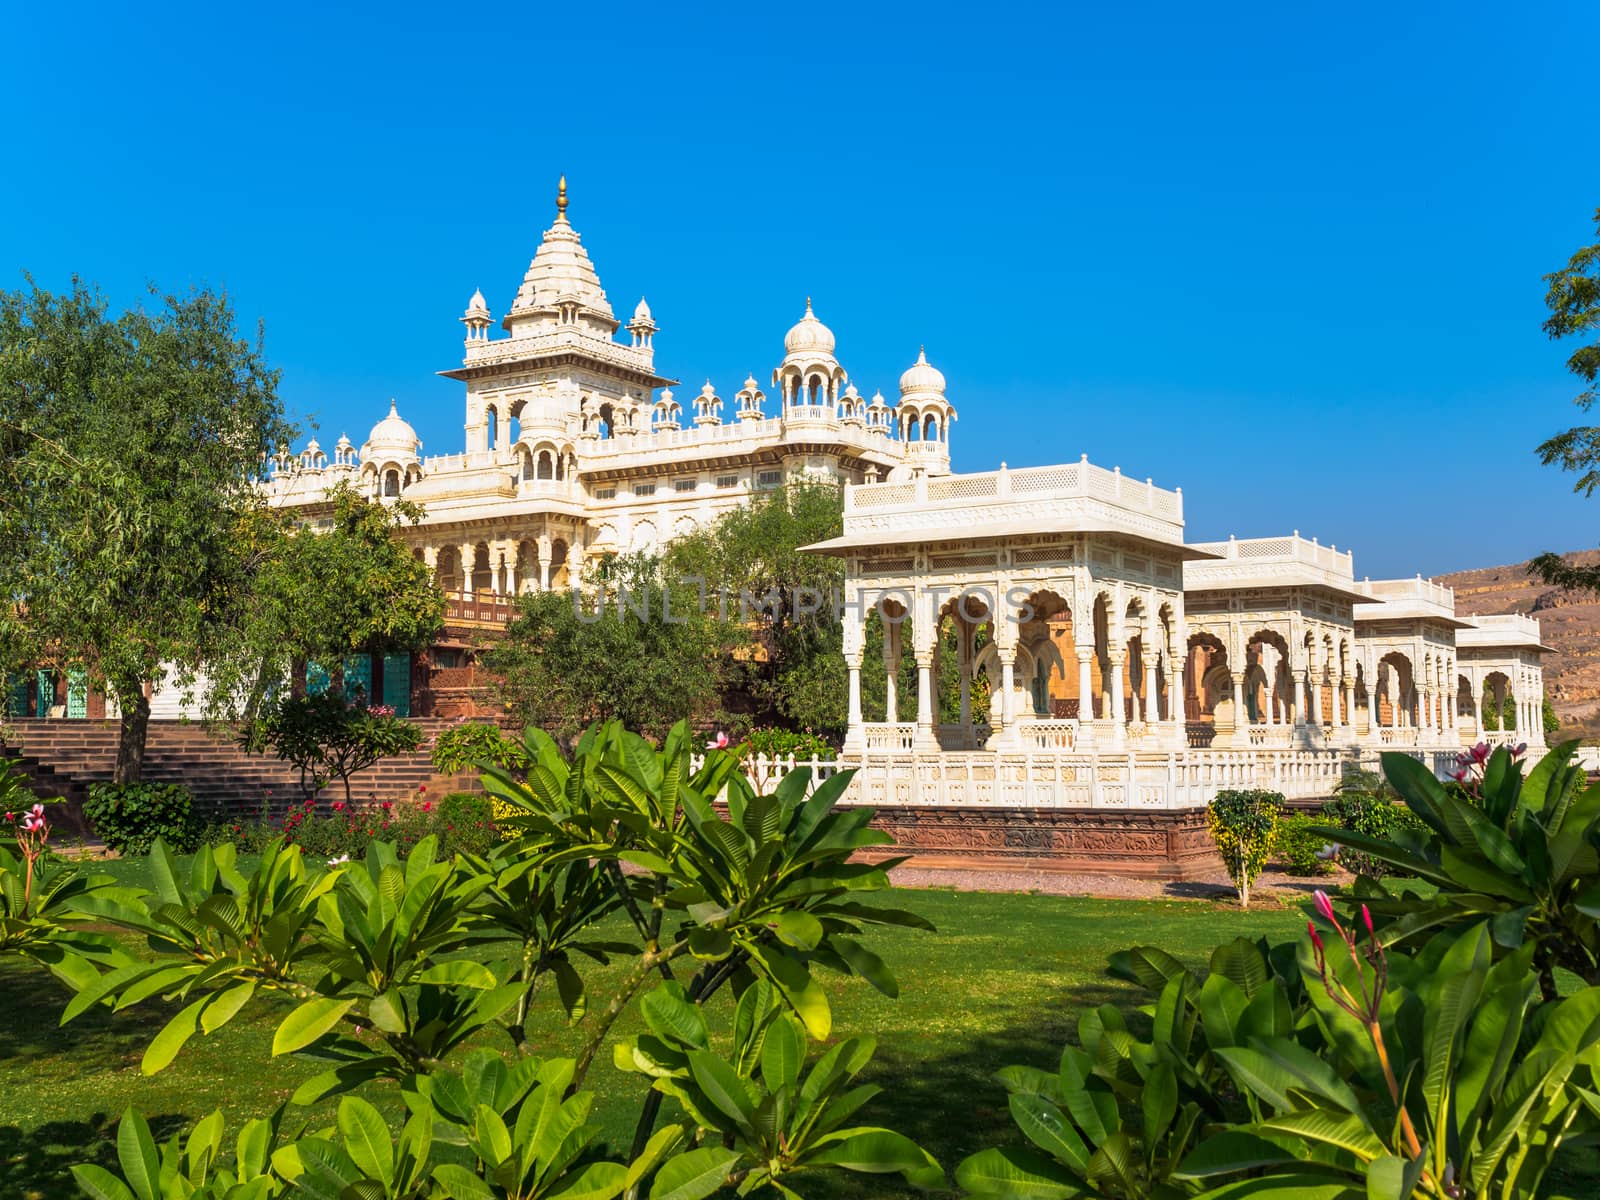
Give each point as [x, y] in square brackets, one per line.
[62, 758]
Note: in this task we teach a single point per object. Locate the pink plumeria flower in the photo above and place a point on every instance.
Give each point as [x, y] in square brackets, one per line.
[1324, 905]
[720, 742]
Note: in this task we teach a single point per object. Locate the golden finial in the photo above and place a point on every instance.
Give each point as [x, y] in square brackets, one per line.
[808, 304]
[561, 197]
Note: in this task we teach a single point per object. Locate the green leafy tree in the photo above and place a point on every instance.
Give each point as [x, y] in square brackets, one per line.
[1573, 298]
[1552, 723]
[326, 738]
[1242, 824]
[320, 591]
[639, 648]
[780, 602]
[127, 446]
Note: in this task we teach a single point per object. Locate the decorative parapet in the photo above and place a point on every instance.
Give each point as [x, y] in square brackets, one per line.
[1272, 562]
[1494, 631]
[1400, 599]
[1073, 497]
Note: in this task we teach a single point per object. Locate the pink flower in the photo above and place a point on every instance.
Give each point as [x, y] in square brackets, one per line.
[11, 816]
[1459, 776]
[1316, 938]
[1324, 905]
[1366, 919]
[38, 810]
[338, 806]
[1480, 752]
[427, 806]
[720, 742]
[386, 805]
[423, 790]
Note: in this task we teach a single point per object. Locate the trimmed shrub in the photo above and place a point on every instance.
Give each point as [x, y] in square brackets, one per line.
[1372, 815]
[1241, 825]
[129, 817]
[1298, 849]
[467, 745]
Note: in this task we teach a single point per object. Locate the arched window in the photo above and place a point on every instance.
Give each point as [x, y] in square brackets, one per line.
[391, 482]
[527, 465]
[930, 428]
[493, 420]
[546, 466]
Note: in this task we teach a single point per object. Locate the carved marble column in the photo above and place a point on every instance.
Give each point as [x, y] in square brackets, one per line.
[546, 550]
[1085, 684]
[469, 566]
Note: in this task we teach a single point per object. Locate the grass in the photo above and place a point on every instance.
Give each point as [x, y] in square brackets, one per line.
[1003, 981]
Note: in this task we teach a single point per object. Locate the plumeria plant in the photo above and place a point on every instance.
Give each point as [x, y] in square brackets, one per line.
[1519, 856]
[394, 963]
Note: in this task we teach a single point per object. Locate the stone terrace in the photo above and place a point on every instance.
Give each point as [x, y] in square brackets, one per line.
[62, 758]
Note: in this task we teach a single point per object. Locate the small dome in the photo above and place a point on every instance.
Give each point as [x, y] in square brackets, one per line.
[921, 377]
[343, 443]
[392, 436]
[642, 312]
[708, 391]
[808, 334]
[312, 447]
[478, 306]
[750, 383]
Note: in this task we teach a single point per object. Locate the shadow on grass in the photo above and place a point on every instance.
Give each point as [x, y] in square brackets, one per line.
[37, 1164]
[948, 1100]
[97, 1040]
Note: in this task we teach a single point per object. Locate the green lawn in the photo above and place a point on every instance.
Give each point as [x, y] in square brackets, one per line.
[1002, 981]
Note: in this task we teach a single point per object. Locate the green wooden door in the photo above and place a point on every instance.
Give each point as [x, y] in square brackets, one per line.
[397, 683]
[45, 696]
[317, 679]
[77, 694]
[17, 694]
[358, 678]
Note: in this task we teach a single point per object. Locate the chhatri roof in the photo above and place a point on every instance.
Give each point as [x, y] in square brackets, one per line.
[560, 271]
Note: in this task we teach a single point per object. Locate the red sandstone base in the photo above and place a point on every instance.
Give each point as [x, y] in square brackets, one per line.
[1147, 845]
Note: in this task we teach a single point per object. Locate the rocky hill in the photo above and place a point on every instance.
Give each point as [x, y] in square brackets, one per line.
[1569, 624]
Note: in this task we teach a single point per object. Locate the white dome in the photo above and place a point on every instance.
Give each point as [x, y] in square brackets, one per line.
[922, 377]
[642, 312]
[477, 304]
[808, 334]
[391, 437]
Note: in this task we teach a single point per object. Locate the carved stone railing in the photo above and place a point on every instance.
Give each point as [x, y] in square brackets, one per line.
[1263, 736]
[1048, 735]
[890, 735]
[963, 737]
[1398, 737]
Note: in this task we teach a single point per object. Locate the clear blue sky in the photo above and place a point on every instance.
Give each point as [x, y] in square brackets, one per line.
[1287, 257]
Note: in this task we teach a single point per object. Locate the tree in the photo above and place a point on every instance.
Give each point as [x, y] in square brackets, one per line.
[780, 602]
[317, 594]
[637, 649]
[1573, 298]
[127, 447]
[1552, 723]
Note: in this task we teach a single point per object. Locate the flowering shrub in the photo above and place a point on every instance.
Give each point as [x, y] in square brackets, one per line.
[462, 823]
[328, 739]
[129, 817]
[1241, 825]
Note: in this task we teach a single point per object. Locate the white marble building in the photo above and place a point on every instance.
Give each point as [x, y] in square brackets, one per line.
[1121, 664]
[577, 448]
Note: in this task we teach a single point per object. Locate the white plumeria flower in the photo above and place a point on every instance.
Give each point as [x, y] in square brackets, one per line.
[334, 862]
